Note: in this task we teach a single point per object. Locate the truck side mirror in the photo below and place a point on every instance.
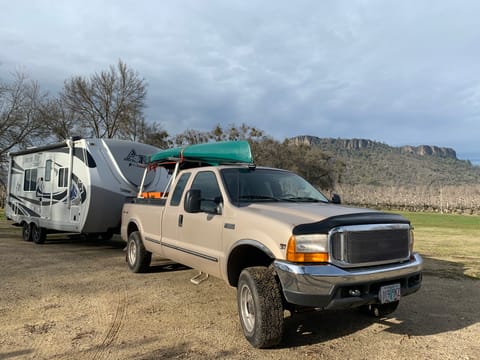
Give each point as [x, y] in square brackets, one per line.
[336, 199]
[192, 201]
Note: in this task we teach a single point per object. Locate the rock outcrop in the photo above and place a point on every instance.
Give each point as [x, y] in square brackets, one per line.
[359, 144]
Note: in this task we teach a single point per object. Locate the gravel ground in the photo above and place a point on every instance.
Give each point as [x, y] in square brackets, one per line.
[76, 299]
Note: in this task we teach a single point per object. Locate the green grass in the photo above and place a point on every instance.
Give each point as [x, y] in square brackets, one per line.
[2, 214]
[450, 243]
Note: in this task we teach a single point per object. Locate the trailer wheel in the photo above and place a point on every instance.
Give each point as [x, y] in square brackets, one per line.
[26, 231]
[138, 258]
[260, 307]
[38, 234]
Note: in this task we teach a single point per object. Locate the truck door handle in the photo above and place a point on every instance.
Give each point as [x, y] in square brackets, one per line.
[180, 220]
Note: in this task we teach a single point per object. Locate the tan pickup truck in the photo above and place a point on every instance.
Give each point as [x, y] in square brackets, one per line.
[279, 241]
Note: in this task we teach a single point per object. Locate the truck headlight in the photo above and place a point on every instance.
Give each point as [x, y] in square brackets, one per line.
[308, 248]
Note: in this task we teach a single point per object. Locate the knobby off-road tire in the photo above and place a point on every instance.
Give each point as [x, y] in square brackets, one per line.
[380, 310]
[26, 231]
[38, 234]
[138, 258]
[260, 307]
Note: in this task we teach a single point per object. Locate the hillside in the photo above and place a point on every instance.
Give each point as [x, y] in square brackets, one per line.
[369, 162]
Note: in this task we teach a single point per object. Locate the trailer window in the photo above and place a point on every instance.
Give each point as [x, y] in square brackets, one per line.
[63, 177]
[30, 180]
[48, 170]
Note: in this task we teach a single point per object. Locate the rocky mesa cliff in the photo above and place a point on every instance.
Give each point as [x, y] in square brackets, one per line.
[359, 144]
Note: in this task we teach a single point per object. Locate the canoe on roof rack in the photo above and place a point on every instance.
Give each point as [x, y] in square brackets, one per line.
[217, 153]
[209, 153]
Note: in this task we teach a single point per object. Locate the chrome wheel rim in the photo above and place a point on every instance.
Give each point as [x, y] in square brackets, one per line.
[26, 231]
[132, 252]
[247, 308]
[35, 233]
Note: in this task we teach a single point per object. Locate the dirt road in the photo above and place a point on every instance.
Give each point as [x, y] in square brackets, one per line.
[76, 299]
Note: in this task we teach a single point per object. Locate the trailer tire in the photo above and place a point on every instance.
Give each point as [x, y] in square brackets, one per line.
[38, 234]
[260, 307]
[26, 231]
[138, 258]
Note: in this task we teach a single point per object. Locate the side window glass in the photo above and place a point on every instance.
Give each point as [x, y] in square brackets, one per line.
[207, 183]
[177, 193]
[30, 180]
[48, 170]
[62, 177]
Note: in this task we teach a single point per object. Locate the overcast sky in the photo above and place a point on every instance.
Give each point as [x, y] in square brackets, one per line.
[399, 72]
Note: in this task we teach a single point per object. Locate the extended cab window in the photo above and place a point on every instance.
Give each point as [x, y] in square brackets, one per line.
[177, 193]
[207, 183]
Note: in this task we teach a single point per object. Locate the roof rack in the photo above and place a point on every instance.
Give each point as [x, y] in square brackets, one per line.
[208, 154]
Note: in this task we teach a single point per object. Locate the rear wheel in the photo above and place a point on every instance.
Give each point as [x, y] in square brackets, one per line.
[260, 307]
[138, 258]
[38, 234]
[380, 310]
[26, 232]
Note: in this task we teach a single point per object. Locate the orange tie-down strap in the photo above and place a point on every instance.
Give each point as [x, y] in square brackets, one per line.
[153, 194]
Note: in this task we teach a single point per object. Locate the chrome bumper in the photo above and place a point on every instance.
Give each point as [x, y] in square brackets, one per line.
[330, 287]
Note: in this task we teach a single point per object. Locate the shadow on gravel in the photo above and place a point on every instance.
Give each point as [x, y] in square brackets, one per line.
[80, 240]
[443, 304]
[166, 266]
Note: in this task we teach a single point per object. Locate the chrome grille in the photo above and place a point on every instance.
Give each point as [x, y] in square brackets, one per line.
[362, 245]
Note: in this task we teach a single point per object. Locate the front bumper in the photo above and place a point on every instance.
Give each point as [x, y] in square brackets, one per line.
[330, 287]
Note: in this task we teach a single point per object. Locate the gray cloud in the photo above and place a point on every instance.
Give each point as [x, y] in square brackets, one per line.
[398, 72]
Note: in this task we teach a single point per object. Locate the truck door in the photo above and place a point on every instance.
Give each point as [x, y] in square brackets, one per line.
[200, 234]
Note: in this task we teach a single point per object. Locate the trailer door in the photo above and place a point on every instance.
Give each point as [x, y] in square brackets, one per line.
[45, 187]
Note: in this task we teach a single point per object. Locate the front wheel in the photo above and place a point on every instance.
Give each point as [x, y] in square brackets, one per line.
[38, 234]
[379, 310]
[27, 231]
[138, 258]
[260, 307]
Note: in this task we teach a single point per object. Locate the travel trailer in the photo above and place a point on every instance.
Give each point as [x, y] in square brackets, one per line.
[78, 186]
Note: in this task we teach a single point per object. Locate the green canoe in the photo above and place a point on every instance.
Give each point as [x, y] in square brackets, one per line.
[214, 153]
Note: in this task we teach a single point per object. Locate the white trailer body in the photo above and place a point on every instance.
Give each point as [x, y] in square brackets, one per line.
[76, 186]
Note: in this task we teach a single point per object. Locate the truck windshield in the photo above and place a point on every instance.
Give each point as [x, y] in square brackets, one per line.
[261, 185]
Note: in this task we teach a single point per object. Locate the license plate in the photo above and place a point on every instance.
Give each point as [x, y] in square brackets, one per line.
[389, 293]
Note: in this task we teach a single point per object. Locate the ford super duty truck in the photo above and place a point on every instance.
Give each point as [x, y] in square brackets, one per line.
[273, 236]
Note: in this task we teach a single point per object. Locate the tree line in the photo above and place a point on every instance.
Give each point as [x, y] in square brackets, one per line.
[110, 104]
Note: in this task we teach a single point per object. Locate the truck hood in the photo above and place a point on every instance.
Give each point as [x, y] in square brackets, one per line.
[302, 213]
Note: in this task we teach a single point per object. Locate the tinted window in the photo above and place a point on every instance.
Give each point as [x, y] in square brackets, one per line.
[62, 177]
[207, 183]
[177, 193]
[48, 170]
[30, 180]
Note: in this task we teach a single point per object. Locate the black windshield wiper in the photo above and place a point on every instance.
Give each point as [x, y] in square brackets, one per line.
[302, 199]
[258, 197]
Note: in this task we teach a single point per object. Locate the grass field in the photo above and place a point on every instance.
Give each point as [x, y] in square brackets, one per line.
[453, 241]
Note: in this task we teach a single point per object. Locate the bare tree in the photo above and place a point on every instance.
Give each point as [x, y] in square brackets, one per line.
[153, 134]
[21, 123]
[109, 103]
[61, 120]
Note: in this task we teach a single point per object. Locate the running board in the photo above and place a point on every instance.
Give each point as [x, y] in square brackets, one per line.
[199, 278]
